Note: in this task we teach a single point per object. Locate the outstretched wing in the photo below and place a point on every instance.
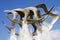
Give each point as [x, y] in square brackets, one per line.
[48, 12]
[43, 6]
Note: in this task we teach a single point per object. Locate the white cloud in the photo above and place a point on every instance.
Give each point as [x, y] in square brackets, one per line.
[51, 35]
[55, 34]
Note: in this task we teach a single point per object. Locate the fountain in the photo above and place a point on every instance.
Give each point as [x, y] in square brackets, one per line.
[12, 35]
[31, 15]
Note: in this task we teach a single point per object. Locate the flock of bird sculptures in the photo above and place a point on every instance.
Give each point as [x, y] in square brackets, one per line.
[32, 15]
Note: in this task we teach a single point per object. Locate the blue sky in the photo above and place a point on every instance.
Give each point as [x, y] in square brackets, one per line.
[13, 4]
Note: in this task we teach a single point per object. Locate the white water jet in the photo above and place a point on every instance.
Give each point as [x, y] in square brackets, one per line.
[12, 35]
[45, 32]
[25, 32]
